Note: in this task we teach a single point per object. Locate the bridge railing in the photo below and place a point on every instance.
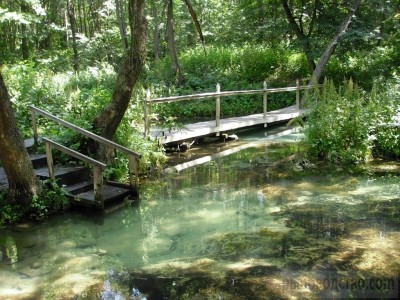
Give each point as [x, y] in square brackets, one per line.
[217, 95]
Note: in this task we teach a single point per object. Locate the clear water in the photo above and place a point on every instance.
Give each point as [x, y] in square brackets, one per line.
[260, 223]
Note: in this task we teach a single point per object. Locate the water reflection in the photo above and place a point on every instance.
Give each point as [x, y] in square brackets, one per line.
[248, 226]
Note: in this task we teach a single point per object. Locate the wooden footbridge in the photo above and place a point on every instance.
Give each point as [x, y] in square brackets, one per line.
[218, 126]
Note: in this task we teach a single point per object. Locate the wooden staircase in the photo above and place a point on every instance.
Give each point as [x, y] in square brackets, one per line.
[78, 181]
[84, 183]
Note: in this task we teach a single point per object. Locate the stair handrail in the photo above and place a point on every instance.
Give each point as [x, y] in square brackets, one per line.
[77, 129]
[133, 156]
[98, 167]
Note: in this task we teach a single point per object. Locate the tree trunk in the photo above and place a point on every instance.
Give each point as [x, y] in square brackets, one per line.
[317, 74]
[156, 32]
[110, 117]
[171, 43]
[22, 181]
[305, 42]
[120, 12]
[72, 21]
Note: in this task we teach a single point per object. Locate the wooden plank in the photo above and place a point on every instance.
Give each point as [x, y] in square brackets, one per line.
[205, 128]
[109, 193]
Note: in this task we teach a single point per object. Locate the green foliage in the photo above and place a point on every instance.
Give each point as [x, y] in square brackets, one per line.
[385, 132]
[53, 198]
[9, 213]
[341, 121]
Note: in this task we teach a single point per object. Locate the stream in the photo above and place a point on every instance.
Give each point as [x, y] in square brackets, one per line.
[263, 222]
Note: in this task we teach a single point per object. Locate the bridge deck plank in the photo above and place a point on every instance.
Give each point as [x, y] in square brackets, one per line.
[199, 129]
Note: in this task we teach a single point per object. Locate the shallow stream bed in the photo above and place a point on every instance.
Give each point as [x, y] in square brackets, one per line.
[258, 224]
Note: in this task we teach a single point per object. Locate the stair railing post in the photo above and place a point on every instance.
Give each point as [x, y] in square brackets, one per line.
[98, 185]
[265, 103]
[147, 113]
[50, 163]
[297, 95]
[217, 106]
[34, 128]
[133, 175]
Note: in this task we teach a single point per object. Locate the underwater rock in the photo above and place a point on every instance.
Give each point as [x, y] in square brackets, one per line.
[278, 194]
[36, 265]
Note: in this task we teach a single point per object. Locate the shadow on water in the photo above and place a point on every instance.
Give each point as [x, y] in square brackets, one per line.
[263, 223]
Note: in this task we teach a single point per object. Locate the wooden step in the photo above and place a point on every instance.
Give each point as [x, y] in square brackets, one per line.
[80, 187]
[66, 175]
[110, 193]
[29, 144]
[38, 160]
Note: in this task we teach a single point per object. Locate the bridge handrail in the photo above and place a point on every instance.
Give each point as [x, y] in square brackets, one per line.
[217, 95]
[225, 94]
[77, 129]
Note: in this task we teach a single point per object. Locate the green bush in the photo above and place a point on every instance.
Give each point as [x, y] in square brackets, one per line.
[345, 124]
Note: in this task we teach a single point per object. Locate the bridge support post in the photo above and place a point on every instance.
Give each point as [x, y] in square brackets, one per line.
[265, 99]
[297, 95]
[217, 107]
[147, 113]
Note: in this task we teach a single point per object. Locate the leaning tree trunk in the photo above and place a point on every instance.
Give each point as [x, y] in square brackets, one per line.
[107, 122]
[22, 181]
[317, 74]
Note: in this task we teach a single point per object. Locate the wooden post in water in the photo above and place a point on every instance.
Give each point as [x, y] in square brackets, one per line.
[297, 95]
[147, 113]
[50, 164]
[217, 106]
[265, 99]
[98, 185]
[133, 175]
[34, 128]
